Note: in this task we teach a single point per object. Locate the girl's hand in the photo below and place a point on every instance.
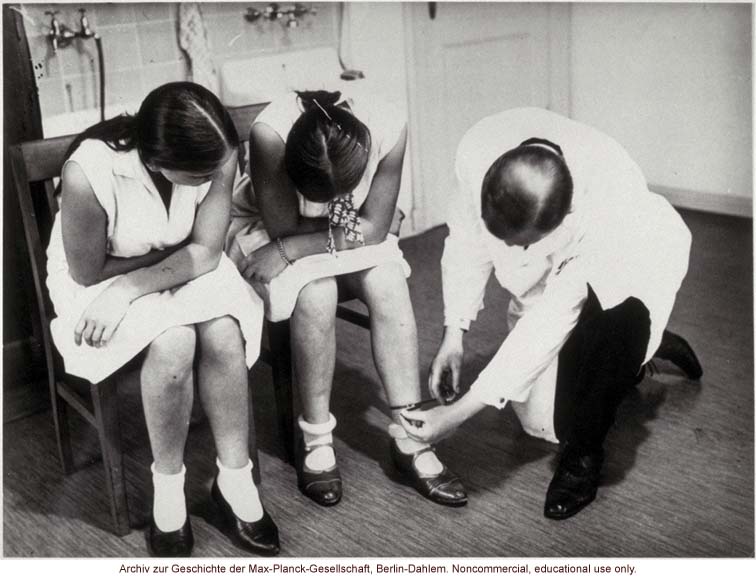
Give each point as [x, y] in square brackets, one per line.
[99, 321]
[262, 265]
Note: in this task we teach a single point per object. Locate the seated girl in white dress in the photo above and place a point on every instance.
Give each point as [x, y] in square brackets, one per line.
[136, 262]
[326, 173]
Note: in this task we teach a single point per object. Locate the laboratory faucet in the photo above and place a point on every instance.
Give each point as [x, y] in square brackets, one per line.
[61, 35]
[289, 16]
[84, 30]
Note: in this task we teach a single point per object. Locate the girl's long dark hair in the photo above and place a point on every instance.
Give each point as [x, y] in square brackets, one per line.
[180, 126]
[327, 148]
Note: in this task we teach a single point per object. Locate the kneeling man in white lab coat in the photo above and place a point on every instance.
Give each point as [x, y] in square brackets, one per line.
[593, 260]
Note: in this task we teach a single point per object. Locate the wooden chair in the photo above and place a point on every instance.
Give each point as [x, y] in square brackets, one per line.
[34, 165]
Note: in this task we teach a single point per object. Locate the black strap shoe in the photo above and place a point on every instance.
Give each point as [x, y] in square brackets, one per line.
[260, 536]
[675, 349]
[574, 484]
[444, 488]
[321, 486]
[175, 544]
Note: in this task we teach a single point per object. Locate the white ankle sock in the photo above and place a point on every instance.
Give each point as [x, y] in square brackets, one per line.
[315, 435]
[169, 504]
[240, 492]
[427, 463]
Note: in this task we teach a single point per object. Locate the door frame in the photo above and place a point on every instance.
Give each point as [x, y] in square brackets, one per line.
[559, 58]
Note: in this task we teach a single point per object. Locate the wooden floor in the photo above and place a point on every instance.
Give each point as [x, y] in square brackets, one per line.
[679, 478]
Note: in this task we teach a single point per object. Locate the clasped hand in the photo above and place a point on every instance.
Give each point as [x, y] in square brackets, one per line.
[262, 265]
[99, 321]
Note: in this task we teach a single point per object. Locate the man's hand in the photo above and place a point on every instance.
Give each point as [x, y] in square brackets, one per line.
[443, 380]
[431, 425]
[262, 265]
[437, 423]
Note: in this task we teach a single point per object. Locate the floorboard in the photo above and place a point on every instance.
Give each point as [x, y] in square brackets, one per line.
[678, 482]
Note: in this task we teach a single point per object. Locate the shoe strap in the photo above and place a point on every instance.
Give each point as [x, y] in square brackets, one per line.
[309, 449]
[415, 455]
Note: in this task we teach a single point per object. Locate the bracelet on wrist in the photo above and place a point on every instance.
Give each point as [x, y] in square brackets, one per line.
[282, 252]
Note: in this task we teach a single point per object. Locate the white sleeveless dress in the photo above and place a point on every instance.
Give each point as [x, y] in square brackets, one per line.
[137, 223]
[247, 231]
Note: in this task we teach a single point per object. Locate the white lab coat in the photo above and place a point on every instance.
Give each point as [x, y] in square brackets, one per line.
[619, 237]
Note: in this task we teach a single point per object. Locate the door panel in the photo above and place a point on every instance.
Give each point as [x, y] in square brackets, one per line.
[473, 60]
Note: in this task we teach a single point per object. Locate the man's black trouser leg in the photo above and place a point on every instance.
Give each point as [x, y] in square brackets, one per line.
[600, 362]
[598, 365]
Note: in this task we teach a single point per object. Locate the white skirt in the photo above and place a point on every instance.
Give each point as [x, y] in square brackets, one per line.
[280, 296]
[222, 292]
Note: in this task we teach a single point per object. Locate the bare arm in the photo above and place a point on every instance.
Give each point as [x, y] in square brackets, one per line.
[275, 191]
[203, 252]
[377, 212]
[85, 234]
[307, 236]
[200, 255]
[115, 265]
[280, 208]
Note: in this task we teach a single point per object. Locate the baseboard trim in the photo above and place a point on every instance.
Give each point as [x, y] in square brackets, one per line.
[707, 201]
[24, 384]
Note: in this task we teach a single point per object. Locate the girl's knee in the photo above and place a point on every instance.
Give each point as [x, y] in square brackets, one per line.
[385, 278]
[318, 299]
[385, 287]
[172, 352]
[220, 337]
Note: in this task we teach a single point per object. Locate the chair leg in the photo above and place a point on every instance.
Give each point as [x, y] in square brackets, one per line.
[280, 345]
[253, 453]
[62, 433]
[105, 400]
[58, 405]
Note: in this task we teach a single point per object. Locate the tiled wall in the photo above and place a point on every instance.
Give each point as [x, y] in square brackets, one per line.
[141, 47]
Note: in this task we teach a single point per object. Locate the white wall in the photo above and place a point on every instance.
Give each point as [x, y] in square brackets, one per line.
[672, 83]
[375, 44]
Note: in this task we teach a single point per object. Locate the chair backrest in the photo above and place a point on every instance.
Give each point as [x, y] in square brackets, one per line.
[35, 165]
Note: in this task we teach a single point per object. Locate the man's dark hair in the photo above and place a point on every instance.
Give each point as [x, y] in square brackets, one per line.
[508, 207]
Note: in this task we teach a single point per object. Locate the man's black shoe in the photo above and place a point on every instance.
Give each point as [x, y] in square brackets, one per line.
[675, 349]
[574, 484]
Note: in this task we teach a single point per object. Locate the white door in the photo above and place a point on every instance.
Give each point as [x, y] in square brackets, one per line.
[469, 61]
